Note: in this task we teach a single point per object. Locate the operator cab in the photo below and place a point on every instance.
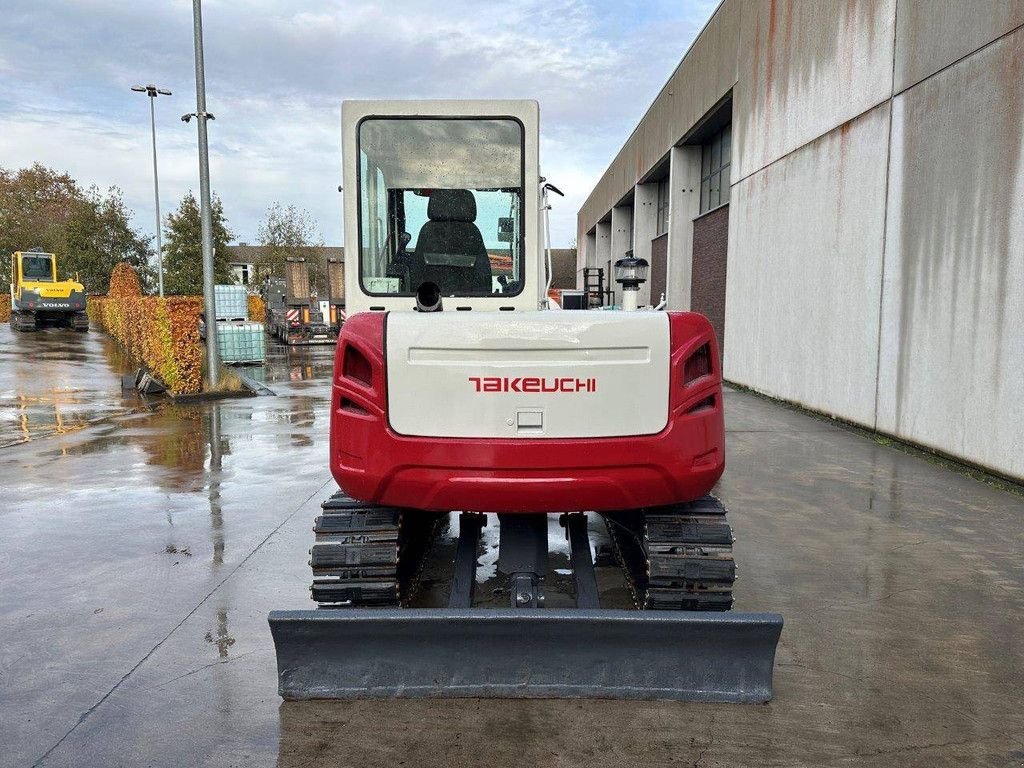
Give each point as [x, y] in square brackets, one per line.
[35, 267]
[441, 203]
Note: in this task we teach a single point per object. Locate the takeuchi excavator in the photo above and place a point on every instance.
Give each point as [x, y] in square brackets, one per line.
[39, 299]
[458, 391]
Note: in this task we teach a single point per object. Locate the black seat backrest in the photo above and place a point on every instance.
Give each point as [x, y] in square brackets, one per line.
[450, 250]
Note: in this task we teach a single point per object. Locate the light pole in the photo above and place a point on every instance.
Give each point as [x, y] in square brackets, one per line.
[152, 91]
[206, 215]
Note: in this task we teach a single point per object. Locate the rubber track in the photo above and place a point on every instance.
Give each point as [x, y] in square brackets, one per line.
[23, 321]
[367, 555]
[677, 557]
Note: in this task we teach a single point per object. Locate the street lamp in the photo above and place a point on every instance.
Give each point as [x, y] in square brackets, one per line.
[205, 213]
[152, 91]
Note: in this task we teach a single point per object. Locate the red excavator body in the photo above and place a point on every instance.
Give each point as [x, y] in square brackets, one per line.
[374, 463]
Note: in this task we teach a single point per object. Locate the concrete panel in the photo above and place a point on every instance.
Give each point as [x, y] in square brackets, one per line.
[604, 246]
[621, 241]
[645, 224]
[622, 231]
[928, 39]
[683, 207]
[952, 360]
[805, 270]
[586, 256]
[706, 74]
[806, 68]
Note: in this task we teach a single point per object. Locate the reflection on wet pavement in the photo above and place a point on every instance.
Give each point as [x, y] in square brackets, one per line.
[115, 532]
[140, 554]
[57, 381]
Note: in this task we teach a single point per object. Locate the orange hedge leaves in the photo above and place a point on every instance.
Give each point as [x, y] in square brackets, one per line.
[124, 283]
[5, 307]
[161, 333]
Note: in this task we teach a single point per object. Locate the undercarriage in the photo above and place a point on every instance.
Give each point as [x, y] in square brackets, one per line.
[28, 320]
[680, 641]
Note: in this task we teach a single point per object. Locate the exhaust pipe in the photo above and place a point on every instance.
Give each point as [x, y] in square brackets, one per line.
[428, 298]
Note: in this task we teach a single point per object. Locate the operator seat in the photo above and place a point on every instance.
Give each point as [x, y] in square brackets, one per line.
[450, 250]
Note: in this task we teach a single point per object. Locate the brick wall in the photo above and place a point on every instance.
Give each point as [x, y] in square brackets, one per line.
[659, 267]
[707, 285]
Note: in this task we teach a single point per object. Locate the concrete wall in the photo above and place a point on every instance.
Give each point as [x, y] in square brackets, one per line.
[805, 68]
[876, 225]
[645, 223]
[805, 269]
[603, 249]
[683, 206]
[928, 40]
[586, 255]
[621, 240]
[952, 349]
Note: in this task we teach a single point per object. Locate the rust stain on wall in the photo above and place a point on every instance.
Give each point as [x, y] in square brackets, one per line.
[960, 177]
[787, 40]
[770, 50]
[844, 151]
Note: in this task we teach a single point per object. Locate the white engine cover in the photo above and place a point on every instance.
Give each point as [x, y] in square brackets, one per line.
[531, 374]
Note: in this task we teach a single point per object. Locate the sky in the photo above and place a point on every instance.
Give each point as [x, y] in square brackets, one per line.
[278, 70]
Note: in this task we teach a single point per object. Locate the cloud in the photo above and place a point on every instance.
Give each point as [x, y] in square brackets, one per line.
[278, 71]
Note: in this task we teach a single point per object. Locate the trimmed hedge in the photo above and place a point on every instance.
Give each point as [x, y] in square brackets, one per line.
[5, 307]
[257, 309]
[163, 334]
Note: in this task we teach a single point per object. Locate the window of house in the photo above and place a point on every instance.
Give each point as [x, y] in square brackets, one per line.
[662, 221]
[714, 170]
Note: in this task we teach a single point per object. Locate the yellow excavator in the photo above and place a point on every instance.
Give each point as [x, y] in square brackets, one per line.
[39, 299]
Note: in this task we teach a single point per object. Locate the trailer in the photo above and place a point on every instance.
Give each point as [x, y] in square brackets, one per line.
[336, 293]
[293, 314]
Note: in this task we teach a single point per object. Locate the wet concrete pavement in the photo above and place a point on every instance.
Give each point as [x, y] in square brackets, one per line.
[141, 552]
[55, 381]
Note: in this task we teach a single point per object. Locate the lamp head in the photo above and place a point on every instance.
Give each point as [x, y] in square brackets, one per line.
[631, 272]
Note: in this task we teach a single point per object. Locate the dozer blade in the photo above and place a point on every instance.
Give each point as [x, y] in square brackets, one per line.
[528, 653]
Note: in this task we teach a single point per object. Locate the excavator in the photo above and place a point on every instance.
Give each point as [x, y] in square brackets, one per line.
[461, 394]
[39, 299]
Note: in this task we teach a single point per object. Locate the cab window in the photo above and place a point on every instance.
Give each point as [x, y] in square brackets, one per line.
[37, 268]
[441, 201]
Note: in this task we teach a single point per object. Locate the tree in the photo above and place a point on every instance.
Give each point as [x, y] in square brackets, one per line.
[183, 250]
[288, 232]
[88, 230]
[98, 236]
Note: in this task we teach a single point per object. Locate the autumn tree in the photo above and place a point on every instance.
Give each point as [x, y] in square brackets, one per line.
[288, 232]
[183, 250]
[89, 230]
[98, 236]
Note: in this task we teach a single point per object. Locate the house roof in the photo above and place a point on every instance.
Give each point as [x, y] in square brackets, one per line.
[243, 253]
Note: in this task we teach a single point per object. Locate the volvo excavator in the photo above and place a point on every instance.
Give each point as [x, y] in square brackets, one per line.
[39, 299]
[458, 393]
